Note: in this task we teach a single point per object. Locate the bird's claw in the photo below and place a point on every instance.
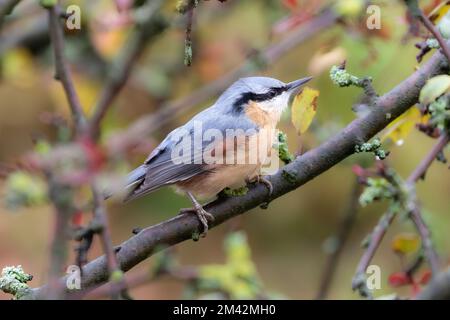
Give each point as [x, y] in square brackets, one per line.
[268, 184]
[263, 180]
[203, 217]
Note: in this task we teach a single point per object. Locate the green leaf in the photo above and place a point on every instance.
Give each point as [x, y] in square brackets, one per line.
[434, 88]
[48, 3]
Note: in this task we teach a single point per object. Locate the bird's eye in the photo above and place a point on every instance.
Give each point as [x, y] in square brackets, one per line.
[272, 93]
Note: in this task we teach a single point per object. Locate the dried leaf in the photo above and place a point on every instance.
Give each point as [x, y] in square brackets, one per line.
[304, 107]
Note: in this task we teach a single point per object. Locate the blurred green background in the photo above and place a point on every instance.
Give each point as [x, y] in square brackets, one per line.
[287, 240]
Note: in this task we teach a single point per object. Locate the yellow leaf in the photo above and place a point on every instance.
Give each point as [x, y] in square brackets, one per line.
[18, 68]
[400, 128]
[304, 108]
[108, 42]
[439, 12]
[349, 8]
[406, 243]
[434, 88]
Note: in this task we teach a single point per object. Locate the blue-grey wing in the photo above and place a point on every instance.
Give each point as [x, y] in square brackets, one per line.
[167, 165]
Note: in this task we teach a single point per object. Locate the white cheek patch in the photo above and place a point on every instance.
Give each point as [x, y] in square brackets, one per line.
[278, 103]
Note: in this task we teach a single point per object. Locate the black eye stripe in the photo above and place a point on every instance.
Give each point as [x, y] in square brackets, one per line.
[257, 97]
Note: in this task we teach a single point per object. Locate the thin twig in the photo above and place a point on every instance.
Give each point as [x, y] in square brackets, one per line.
[430, 26]
[421, 169]
[62, 72]
[415, 11]
[60, 197]
[427, 243]
[6, 9]
[63, 210]
[150, 25]
[416, 216]
[117, 285]
[188, 39]
[375, 238]
[340, 239]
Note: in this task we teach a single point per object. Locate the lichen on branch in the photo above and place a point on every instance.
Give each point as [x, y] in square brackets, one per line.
[283, 149]
[342, 78]
[374, 147]
[14, 281]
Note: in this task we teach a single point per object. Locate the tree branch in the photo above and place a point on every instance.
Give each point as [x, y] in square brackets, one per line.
[421, 169]
[62, 72]
[377, 235]
[438, 289]
[60, 196]
[416, 216]
[415, 11]
[290, 177]
[429, 25]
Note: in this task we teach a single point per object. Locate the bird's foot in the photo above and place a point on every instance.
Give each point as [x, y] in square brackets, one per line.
[268, 184]
[263, 180]
[202, 215]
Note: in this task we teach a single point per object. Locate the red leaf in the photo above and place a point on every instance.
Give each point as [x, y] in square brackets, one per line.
[359, 171]
[290, 4]
[95, 155]
[425, 277]
[399, 279]
[77, 219]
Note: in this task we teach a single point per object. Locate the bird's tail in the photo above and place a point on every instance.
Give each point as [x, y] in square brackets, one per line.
[132, 180]
[136, 176]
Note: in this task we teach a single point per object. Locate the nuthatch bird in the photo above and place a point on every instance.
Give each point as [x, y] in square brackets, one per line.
[250, 109]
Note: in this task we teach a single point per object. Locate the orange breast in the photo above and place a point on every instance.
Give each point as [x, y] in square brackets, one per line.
[248, 155]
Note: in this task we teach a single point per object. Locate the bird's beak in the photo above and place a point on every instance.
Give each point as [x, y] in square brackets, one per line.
[291, 86]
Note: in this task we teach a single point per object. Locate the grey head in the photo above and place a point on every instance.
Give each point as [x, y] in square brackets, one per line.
[267, 92]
